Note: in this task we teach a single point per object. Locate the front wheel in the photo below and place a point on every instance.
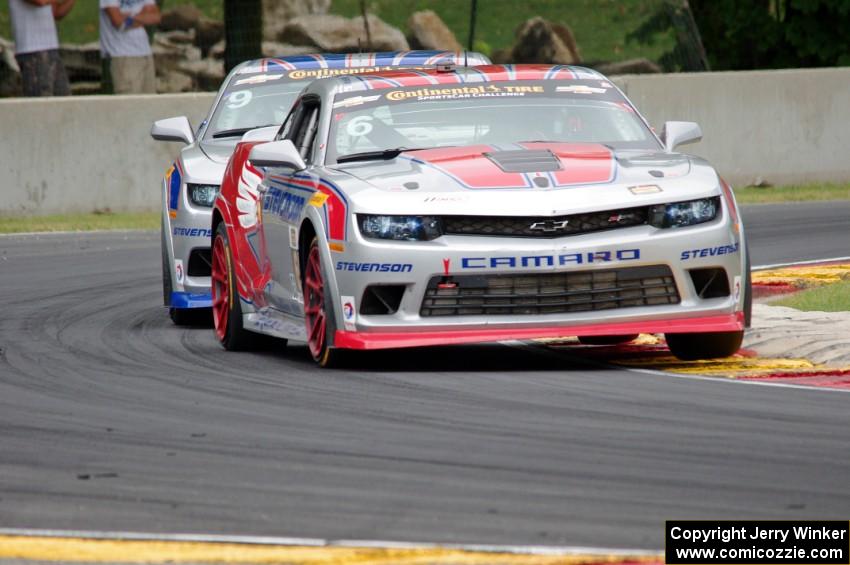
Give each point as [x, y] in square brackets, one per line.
[709, 345]
[318, 313]
[227, 310]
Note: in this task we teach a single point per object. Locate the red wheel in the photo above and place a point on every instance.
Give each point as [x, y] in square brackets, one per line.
[220, 288]
[227, 311]
[318, 314]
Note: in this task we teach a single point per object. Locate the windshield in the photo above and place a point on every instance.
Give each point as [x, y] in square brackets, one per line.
[581, 111]
[253, 101]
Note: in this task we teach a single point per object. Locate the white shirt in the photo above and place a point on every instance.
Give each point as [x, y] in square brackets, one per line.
[123, 42]
[33, 27]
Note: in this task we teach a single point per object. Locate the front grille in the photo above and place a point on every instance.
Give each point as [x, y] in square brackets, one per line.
[544, 226]
[549, 293]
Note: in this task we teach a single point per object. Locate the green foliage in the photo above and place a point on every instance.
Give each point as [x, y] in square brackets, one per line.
[81, 222]
[600, 26]
[827, 298]
[759, 34]
[792, 193]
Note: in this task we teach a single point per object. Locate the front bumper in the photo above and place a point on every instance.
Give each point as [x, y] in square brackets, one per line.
[717, 244]
[189, 235]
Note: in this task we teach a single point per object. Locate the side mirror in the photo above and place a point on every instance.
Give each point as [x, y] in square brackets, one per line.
[261, 134]
[680, 133]
[277, 154]
[173, 129]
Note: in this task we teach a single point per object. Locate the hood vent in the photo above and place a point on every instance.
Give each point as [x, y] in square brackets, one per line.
[525, 161]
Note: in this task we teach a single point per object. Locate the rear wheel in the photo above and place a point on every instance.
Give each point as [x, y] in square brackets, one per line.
[318, 313]
[227, 310]
[606, 339]
[712, 345]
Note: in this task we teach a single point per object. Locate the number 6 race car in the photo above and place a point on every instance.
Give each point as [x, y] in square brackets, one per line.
[466, 205]
[254, 95]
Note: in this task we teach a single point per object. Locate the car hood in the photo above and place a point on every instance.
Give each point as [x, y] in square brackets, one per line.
[219, 151]
[532, 178]
[204, 163]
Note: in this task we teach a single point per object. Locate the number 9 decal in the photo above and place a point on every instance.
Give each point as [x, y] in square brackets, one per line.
[239, 99]
[361, 125]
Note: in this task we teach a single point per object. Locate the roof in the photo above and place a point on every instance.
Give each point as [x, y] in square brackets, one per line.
[462, 75]
[348, 60]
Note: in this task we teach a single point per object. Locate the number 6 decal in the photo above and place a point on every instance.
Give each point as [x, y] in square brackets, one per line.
[358, 126]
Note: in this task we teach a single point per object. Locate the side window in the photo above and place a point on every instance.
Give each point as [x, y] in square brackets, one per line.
[287, 123]
[304, 132]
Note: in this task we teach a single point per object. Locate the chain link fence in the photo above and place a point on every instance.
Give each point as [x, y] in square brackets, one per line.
[197, 42]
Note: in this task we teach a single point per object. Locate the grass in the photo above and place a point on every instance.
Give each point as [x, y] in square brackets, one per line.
[793, 193]
[600, 26]
[827, 298]
[80, 222]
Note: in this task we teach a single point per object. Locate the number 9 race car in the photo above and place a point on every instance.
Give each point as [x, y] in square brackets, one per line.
[255, 94]
[465, 205]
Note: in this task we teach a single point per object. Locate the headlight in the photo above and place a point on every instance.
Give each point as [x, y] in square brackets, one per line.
[687, 213]
[202, 194]
[403, 228]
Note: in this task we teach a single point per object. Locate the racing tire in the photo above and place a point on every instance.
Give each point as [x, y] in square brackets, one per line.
[227, 308]
[166, 268]
[318, 311]
[709, 345]
[748, 290]
[606, 339]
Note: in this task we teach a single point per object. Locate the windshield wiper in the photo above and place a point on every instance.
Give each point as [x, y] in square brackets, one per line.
[238, 131]
[383, 154]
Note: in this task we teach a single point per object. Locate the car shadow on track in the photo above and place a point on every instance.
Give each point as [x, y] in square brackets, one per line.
[457, 358]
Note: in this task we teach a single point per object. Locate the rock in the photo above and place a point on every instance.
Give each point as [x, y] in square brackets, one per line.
[82, 62]
[336, 34]
[168, 54]
[275, 49]
[501, 56]
[10, 73]
[276, 13]
[185, 17]
[85, 87]
[630, 67]
[537, 42]
[208, 32]
[427, 31]
[174, 81]
[565, 34]
[207, 74]
[217, 50]
[177, 36]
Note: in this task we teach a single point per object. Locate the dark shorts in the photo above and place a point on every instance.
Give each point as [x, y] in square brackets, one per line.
[43, 74]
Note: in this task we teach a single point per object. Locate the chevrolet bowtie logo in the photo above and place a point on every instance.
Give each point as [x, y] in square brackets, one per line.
[549, 225]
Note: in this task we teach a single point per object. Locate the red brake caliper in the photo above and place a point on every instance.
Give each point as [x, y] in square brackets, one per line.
[220, 290]
[314, 303]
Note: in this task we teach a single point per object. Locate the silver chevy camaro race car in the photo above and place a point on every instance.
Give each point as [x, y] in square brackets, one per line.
[480, 204]
[254, 95]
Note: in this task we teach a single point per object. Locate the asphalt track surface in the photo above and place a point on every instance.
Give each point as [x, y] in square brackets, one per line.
[113, 419]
